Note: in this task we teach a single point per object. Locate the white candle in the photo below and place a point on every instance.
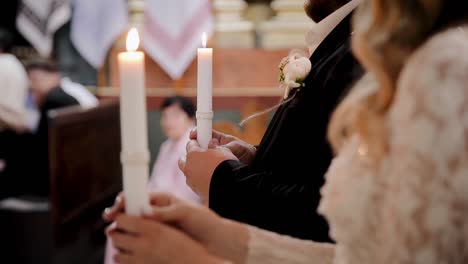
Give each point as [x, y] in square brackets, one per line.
[204, 94]
[133, 126]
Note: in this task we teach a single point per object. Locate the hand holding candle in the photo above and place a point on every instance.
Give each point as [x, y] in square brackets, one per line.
[133, 123]
[204, 94]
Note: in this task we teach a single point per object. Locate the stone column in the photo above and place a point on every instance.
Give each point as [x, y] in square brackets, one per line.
[231, 29]
[136, 9]
[287, 29]
[259, 12]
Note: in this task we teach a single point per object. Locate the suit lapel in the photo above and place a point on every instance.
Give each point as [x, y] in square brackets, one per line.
[339, 35]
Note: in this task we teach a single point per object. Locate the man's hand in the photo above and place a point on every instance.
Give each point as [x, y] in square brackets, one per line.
[199, 165]
[241, 149]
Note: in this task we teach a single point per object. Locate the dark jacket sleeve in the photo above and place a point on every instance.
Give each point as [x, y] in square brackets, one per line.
[252, 197]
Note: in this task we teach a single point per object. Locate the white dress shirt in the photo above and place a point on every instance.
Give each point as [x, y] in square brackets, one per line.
[84, 97]
[321, 30]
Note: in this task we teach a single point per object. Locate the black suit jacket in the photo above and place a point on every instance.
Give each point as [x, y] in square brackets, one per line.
[27, 154]
[55, 99]
[280, 189]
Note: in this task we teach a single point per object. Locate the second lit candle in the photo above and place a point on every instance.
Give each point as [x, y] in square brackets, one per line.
[204, 94]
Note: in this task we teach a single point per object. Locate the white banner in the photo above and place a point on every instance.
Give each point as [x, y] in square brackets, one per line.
[172, 32]
[95, 26]
[38, 20]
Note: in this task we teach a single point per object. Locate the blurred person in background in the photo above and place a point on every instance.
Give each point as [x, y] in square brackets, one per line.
[177, 119]
[46, 81]
[49, 93]
[14, 116]
[13, 89]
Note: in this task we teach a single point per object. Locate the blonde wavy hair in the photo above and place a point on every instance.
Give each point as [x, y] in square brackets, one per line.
[386, 33]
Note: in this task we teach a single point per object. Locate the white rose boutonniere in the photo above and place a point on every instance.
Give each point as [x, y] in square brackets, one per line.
[293, 71]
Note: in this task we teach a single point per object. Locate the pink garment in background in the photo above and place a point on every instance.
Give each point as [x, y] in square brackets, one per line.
[166, 177]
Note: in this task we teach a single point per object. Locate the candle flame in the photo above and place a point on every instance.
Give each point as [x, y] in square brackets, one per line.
[204, 39]
[133, 40]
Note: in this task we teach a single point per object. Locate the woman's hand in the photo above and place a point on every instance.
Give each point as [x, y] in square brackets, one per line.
[145, 241]
[221, 237]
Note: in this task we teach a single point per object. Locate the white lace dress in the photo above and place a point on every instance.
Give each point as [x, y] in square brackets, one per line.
[413, 206]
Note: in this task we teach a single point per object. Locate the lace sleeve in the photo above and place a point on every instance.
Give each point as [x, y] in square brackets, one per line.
[426, 207]
[267, 247]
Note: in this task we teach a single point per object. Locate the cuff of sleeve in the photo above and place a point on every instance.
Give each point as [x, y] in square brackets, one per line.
[268, 247]
[222, 183]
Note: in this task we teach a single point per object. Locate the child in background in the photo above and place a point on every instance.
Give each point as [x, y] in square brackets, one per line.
[177, 119]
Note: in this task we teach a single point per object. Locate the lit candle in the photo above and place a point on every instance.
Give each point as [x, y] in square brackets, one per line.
[133, 126]
[204, 94]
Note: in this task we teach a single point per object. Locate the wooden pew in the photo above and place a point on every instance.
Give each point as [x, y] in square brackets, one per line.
[85, 176]
[85, 170]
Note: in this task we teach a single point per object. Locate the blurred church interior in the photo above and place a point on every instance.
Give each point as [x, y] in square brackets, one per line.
[249, 39]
